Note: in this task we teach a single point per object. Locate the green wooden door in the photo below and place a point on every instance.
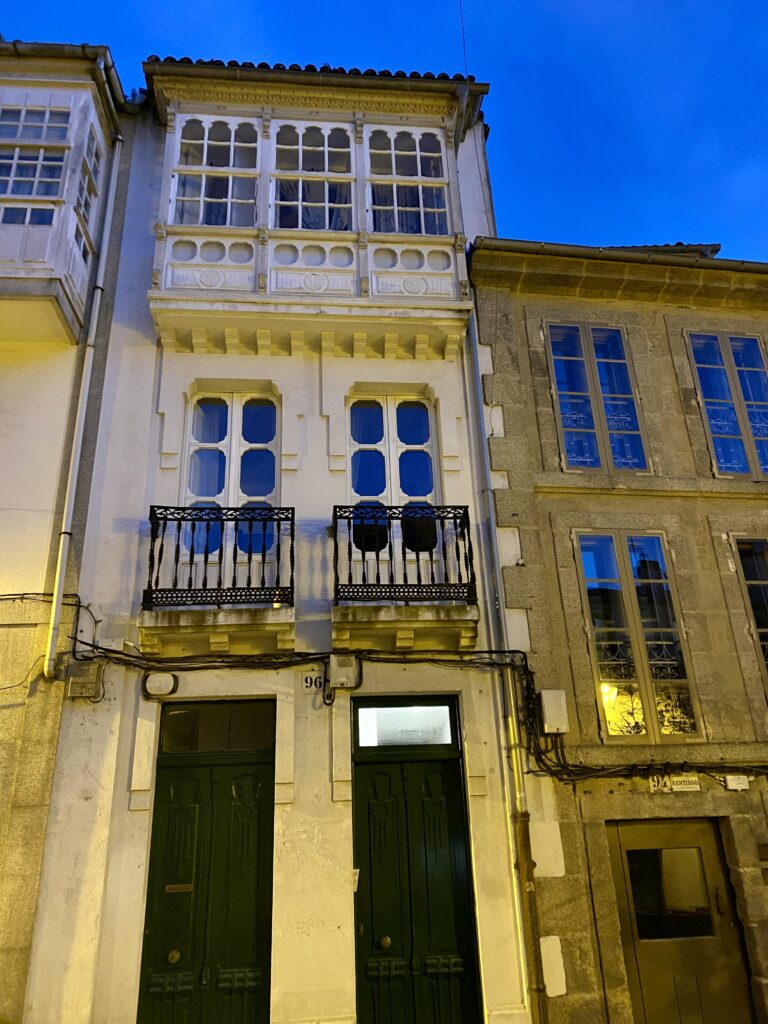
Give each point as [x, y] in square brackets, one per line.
[207, 934]
[416, 957]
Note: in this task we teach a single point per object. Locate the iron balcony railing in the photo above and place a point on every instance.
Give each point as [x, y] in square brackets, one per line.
[410, 553]
[205, 555]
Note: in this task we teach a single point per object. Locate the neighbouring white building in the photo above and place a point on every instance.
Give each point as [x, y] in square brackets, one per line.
[283, 788]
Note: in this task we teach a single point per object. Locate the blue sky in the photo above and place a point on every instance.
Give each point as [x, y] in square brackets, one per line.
[612, 121]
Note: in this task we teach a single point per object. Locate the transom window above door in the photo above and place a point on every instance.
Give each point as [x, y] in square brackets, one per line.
[392, 450]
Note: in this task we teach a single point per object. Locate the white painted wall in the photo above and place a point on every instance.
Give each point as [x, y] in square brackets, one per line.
[87, 945]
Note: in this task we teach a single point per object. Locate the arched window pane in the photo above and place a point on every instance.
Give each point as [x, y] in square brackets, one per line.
[429, 143]
[219, 132]
[257, 472]
[313, 150]
[380, 147]
[367, 423]
[256, 536]
[206, 472]
[416, 474]
[338, 139]
[368, 473]
[193, 129]
[287, 136]
[405, 154]
[191, 151]
[259, 421]
[412, 423]
[209, 420]
[246, 132]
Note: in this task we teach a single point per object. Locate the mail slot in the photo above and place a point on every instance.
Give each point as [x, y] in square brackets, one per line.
[180, 887]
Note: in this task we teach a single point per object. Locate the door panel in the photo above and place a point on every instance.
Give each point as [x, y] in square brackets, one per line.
[208, 926]
[680, 933]
[240, 902]
[415, 918]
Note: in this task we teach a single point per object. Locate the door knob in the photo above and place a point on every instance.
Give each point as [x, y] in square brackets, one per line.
[174, 956]
[385, 942]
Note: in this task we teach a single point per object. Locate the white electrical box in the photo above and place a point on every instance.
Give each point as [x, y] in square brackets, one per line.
[84, 679]
[342, 671]
[554, 711]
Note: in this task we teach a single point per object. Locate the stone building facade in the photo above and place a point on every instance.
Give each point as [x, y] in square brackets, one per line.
[627, 422]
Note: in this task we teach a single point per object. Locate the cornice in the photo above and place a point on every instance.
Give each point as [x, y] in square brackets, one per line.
[171, 91]
[564, 276]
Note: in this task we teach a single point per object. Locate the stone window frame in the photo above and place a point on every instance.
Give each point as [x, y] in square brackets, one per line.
[390, 445]
[761, 651]
[300, 175]
[643, 678]
[203, 171]
[737, 396]
[418, 180]
[585, 328]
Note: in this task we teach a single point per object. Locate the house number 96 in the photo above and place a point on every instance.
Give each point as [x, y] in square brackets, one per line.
[313, 682]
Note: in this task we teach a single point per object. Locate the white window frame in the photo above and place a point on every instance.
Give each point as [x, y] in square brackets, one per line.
[391, 447]
[204, 171]
[418, 181]
[326, 176]
[232, 446]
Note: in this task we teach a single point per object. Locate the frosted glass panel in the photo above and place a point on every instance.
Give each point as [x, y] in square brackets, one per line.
[415, 725]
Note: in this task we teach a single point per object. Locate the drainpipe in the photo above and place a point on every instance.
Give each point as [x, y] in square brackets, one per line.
[82, 404]
[524, 862]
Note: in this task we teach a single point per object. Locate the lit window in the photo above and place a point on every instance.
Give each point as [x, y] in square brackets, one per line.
[637, 650]
[313, 178]
[217, 174]
[753, 559]
[408, 183]
[597, 413]
[733, 387]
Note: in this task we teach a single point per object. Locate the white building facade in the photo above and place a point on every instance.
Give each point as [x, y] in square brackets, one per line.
[282, 788]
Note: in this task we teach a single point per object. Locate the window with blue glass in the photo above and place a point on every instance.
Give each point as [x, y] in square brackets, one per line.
[392, 451]
[597, 412]
[637, 647]
[733, 387]
[232, 462]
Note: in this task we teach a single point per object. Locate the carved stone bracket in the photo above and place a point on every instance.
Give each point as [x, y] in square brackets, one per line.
[263, 235]
[359, 126]
[460, 242]
[262, 282]
[362, 239]
[266, 124]
[365, 286]
[160, 231]
[170, 124]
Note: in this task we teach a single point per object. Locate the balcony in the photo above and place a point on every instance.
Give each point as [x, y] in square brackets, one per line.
[206, 561]
[404, 577]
